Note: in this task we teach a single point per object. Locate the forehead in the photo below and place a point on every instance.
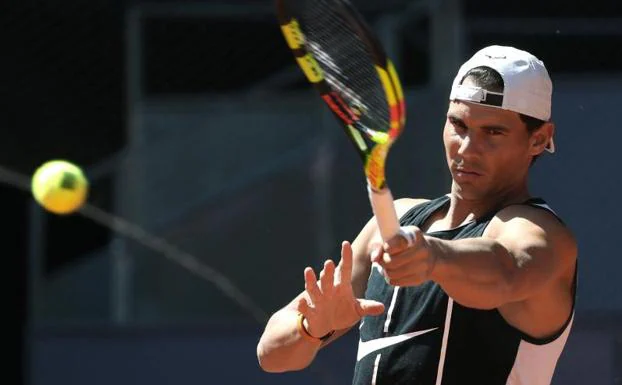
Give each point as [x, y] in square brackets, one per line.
[482, 114]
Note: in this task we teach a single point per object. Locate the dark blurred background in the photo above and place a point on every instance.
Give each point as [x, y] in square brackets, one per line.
[192, 121]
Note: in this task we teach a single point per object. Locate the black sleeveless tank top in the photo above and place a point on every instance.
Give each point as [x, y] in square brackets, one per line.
[425, 338]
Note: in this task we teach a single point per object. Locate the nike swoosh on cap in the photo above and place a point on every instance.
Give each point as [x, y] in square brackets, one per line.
[371, 346]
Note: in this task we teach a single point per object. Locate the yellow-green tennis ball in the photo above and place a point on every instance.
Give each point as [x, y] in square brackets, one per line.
[59, 186]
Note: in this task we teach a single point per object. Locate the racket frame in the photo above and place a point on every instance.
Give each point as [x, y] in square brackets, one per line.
[374, 151]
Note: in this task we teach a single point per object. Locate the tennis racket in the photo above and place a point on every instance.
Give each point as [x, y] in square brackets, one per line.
[343, 59]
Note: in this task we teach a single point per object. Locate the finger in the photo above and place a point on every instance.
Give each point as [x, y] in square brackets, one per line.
[344, 273]
[405, 266]
[398, 261]
[311, 285]
[327, 278]
[369, 308]
[392, 272]
[376, 254]
[303, 307]
[395, 245]
[407, 237]
[386, 259]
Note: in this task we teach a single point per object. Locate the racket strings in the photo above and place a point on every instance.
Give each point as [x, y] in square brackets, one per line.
[345, 59]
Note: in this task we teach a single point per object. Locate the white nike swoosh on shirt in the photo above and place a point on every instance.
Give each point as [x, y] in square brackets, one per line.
[371, 346]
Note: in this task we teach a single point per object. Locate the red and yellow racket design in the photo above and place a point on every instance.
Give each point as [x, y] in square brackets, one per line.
[344, 61]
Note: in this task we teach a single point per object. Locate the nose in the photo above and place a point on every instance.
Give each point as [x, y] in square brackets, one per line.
[468, 146]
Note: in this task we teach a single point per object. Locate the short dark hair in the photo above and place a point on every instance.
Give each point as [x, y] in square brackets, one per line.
[491, 80]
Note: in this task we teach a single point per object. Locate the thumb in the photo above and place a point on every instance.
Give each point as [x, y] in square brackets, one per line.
[376, 252]
[369, 307]
[401, 241]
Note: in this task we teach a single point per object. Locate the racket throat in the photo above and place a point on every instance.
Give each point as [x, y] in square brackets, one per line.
[375, 168]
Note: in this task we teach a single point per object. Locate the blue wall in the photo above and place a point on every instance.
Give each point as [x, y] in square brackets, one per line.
[581, 182]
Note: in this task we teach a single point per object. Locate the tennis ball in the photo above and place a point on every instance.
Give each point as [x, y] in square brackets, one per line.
[59, 186]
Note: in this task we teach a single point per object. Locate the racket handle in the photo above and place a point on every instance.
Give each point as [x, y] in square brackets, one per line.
[384, 210]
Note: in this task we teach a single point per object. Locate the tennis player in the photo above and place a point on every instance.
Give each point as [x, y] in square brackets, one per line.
[479, 288]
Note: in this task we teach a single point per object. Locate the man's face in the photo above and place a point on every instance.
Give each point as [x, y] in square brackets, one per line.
[488, 149]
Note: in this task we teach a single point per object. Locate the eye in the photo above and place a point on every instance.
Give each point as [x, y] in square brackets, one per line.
[494, 131]
[457, 123]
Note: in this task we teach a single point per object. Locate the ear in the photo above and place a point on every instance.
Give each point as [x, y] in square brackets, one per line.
[541, 137]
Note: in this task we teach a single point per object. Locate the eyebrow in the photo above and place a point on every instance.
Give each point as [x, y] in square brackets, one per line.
[456, 118]
[496, 127]
[486, 126]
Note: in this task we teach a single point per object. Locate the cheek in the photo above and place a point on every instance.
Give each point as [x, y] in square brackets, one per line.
[451, 140]
[504, 158]
[509, 148]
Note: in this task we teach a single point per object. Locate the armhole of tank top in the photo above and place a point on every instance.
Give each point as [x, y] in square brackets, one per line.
[541, 204]
[555, 336]
[562, 329]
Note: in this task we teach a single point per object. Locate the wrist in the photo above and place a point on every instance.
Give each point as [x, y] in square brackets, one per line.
[438, 258]
[303, 329]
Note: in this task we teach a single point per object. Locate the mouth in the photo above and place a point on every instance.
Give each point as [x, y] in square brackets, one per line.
[461, 172]
[467, 171]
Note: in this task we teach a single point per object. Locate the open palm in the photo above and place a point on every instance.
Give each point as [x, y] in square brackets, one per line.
[329, 303]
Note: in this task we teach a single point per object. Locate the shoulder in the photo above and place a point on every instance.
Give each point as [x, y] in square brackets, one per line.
[531, 226]
[402, 205]
[525, 215]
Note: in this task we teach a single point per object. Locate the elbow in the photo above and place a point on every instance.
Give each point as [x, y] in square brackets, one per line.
[270, 362]
[265, 362]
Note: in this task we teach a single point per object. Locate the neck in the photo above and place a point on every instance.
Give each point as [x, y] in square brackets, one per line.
[462, 209]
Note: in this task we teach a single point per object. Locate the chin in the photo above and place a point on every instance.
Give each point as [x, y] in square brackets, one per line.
[468, 192]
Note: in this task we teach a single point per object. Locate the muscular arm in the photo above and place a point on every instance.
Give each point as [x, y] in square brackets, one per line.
[524, 252]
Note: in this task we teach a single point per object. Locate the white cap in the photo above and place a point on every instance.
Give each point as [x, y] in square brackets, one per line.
[527, 87]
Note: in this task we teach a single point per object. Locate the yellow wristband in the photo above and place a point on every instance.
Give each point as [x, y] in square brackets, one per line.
[305, 333]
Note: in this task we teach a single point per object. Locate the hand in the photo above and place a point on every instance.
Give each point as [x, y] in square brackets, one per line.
[404, 264]
[331, 305]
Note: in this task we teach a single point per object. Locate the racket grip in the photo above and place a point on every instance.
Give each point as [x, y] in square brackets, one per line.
[384, 210]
